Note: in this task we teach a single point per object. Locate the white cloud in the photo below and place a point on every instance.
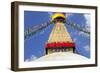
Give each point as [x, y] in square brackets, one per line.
[87, 48]
[87, 24]
[75, 39]
[87, 17]
[50, 15]
[42, 32]
[73, 33]
[83, 34]
[32, 58]
[69, 14]
[86, 27]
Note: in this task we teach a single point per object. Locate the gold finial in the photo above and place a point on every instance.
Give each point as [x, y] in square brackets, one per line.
[57, 15]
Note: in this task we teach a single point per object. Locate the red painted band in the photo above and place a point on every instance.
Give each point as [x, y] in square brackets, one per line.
[60, 44]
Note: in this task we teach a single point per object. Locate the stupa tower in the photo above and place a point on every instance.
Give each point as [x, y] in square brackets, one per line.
[59, 39]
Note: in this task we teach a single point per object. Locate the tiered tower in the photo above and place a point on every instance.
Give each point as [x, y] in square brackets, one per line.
[59, 40]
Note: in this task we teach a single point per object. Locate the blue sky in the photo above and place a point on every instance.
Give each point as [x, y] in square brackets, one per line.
[34, 46]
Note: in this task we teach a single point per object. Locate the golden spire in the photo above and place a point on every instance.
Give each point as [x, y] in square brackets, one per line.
[56, 15]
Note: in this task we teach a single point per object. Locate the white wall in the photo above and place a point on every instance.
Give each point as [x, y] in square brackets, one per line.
[5, 41]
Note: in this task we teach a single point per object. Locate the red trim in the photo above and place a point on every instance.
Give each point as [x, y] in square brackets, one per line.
[60, 44]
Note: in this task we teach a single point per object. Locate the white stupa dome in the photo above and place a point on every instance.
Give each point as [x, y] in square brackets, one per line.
[59, 59]
[61, 56]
